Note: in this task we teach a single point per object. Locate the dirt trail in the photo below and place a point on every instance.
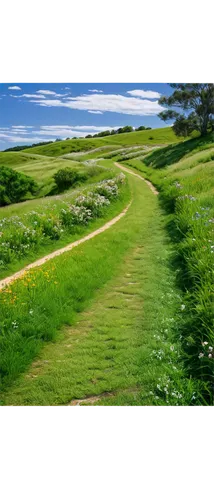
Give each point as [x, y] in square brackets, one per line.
[43, 260]
[153, 189]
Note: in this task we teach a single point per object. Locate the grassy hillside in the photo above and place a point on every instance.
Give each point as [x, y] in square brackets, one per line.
[156, 136]
[187, 193]
[41, 168]
[60, 148]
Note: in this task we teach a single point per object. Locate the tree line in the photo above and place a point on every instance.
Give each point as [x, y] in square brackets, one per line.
[121, 130]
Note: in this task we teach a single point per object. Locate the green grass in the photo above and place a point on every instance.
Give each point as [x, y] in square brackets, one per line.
[60, 148]
[119, 300]
[150, 137]
[93, 154]
[46, 230]
[186, 191]
[41, 168]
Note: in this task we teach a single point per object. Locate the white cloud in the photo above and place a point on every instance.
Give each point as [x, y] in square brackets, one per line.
[28, 96]
[49, 92]
[46, 92]
[107, 102]
[95, 112]
[95, 90]
[77, 127]
[24, 140]
[145, 94]
[22, 126]
[33, 96]
[14, 88]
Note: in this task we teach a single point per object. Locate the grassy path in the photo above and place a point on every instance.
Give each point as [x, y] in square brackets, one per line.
[106, 354]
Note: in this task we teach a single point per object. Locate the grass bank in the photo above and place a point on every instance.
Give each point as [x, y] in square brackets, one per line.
[186, 192]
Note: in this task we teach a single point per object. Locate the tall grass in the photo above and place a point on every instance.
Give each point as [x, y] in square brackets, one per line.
[186, 191]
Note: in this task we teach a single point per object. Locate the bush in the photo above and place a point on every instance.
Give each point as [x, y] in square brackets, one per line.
[75, 215]
[93, 202]
[107, 188]
[15, 187]
[65, 178]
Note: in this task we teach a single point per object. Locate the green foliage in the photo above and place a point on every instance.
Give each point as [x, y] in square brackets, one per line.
[65, 178]
[196, 97]
[14, 187]
[124, 130]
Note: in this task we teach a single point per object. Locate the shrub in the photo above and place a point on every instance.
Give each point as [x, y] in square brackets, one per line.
[75, 215]
[107, 188]
[14, 187]
[93, 202]
[65, 178]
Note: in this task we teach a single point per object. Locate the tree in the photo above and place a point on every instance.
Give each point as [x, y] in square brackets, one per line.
[198, 99]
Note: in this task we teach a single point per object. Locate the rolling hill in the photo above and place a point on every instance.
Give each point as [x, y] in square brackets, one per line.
[155, 136]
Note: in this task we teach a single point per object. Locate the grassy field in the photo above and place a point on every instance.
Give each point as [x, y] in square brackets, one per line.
[126, 318]
[155, 136]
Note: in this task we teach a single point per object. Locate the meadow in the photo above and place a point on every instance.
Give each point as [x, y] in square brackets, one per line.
[125, 318]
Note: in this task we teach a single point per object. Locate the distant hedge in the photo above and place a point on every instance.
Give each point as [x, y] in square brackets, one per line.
[15, 187]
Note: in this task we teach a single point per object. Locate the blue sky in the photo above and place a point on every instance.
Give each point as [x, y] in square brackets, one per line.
[34, 112]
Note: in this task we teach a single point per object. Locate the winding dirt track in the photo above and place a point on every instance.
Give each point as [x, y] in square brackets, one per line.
[153, 189]
[7, 281]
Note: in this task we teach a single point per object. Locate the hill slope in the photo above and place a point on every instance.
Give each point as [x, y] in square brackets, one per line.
[40, 167]
[156, 136]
